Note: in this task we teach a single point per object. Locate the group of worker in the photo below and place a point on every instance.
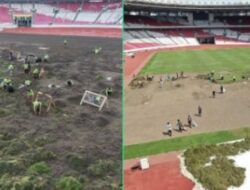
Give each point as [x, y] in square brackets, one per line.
[7, 85]
[180, 127]
[37, 73]
[222, 91]
[211, 77]
[168, 77]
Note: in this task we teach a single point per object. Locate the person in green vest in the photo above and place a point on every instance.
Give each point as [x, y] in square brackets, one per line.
[27, 82]
[30, 95]
[46, 58]
[37, 107]
[234, 78]
[65, 42]
[108, 91]
[27, 68]
[97, 50]
[5, 83]
[97, 100]
[10, 69]
[36, 73]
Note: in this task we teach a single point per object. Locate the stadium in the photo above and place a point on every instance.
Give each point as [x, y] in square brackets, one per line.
[93, 17]
[187, 78]
[60, 95]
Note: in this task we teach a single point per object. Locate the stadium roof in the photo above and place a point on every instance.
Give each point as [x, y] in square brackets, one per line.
[194, 2]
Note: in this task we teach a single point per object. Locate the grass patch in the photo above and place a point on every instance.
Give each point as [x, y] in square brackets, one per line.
[23, 183]
[39, 168]
[181, 143]
[4, 113]
[219, 172]
[12, 167]
[229, 62]
[101, 168]
[68, 183]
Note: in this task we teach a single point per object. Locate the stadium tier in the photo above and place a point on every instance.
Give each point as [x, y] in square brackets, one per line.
[177, 23]
[63, 13]
[195, 2]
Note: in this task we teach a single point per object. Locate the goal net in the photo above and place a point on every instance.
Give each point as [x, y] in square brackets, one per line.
[94, 99]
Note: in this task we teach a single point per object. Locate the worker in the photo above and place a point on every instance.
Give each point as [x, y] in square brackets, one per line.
[10, 56]
[221, 77]
[108, 91]
[46, 58]
[27, 82]
[180, 126]
[189, 119]
[65, 42]
[97, 50]
[221, 89]
[161, 82]
[213, 93]
[7, 85]
[212, 73]
[6, 82]
[10, 69]
[199, 111]
[36, 73]
[26, 67]
[69, 83]
[97, 100]
[10, 88]
[234, 78]
[169, 129]
[182, 74]
[41, 73]
[30, 93]
[37, 107]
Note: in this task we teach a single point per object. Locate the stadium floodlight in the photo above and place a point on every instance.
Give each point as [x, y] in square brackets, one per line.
[94, 99]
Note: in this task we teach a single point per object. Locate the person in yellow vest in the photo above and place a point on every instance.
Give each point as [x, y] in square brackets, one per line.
[5, 83]
[27, 68]
[10, 69]
[65, 42]
[97, 50]
[108, 91]
[30, 95]
[97, 100]
[37, 107]
[27, 82]
[46, 58]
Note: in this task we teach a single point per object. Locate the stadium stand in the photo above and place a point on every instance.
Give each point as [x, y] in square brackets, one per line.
[64, 13]
[159, 24]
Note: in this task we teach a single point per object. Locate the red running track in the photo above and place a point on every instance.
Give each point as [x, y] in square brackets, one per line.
[163, 174]
[92, 32]
[133, 65]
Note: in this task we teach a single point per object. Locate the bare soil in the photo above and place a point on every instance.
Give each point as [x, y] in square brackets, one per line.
[148, 109]
[69, 129]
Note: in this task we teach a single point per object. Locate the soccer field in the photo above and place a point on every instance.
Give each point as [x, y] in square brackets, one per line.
[229, 62]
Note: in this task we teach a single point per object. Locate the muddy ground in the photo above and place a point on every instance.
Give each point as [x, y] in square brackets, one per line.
[148, 109]
[85, 143]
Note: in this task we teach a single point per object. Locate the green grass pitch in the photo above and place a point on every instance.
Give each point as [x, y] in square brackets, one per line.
[228, 62]
[181, 143]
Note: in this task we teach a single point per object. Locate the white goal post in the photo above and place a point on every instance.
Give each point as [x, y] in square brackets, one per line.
[94, 99]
